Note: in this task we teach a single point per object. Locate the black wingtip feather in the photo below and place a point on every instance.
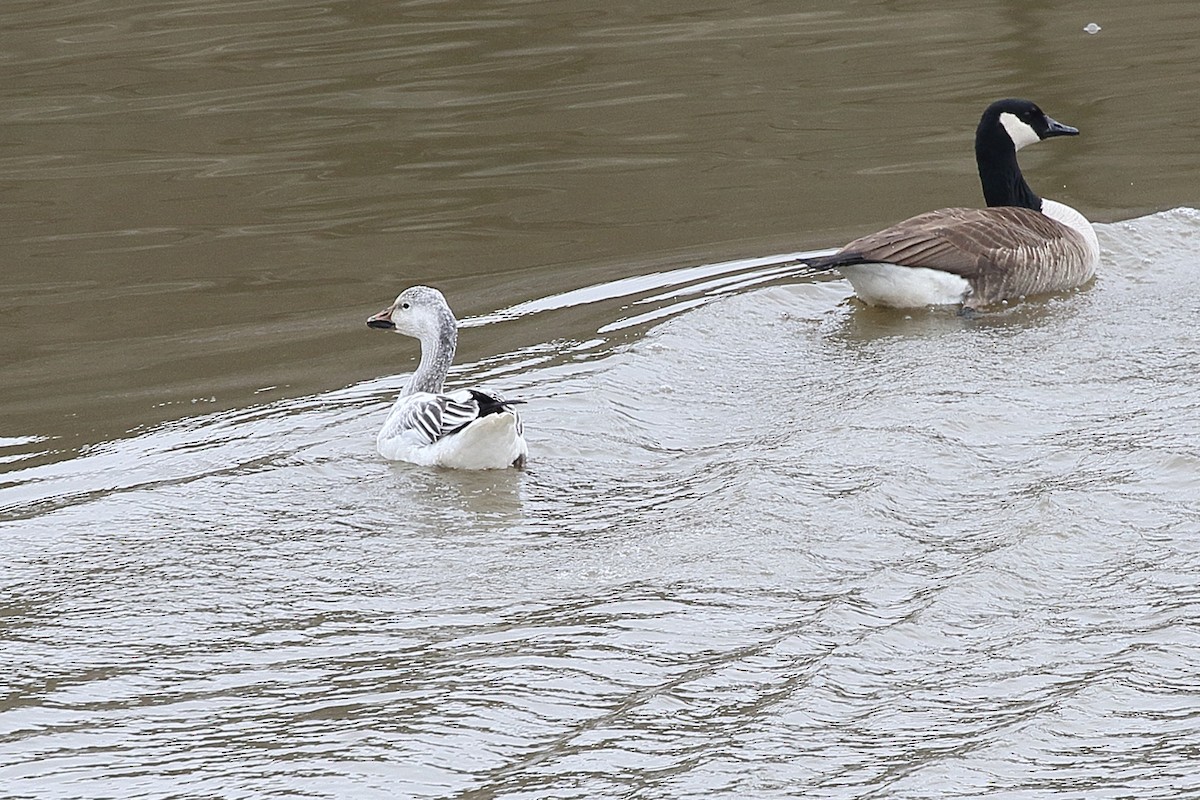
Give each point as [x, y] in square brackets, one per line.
[491, 405]
[842, 259]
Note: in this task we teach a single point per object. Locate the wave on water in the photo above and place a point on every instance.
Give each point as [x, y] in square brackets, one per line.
[622, 313]
[861, 550]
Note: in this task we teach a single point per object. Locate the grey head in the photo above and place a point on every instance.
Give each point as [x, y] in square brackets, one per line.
[419, 311]
[423, 313]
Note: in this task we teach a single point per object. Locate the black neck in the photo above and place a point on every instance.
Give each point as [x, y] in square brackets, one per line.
[1003, 183]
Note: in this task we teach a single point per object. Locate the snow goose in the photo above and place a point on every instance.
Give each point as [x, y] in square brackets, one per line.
[463, 429]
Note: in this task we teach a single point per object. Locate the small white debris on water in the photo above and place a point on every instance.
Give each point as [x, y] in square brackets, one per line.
[1092, 27]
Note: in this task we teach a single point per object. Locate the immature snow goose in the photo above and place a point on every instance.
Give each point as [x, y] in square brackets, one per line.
[463, 429]
[1020, 245]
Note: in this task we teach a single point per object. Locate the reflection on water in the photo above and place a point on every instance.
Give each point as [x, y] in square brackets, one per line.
[771, 543]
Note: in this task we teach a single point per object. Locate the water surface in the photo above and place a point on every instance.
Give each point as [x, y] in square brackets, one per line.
[771, 543]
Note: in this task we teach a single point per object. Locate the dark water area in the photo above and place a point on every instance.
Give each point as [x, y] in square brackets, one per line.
[771, 543]
[202, 199]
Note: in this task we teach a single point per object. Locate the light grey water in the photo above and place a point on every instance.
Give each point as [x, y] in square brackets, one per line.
[771, 543]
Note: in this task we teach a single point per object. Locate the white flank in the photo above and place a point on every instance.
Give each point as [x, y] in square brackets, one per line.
[1068, 216]
[491, 442]
[905, 287]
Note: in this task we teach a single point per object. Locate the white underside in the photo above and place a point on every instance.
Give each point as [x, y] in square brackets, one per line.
[905, 287]
[490, 442]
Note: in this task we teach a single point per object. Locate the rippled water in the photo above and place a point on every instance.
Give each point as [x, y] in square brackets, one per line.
[863, 552]
[771, 543]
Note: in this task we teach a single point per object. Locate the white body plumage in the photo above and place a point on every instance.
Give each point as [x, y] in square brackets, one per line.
[446, 430]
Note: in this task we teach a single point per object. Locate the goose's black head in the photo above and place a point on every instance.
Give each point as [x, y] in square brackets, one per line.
[1022, 122]
[1005, 127]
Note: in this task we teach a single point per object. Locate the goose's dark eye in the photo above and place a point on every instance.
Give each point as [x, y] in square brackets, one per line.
[404, 305]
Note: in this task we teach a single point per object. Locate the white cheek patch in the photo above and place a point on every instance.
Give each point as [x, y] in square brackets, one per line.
[1020, 132]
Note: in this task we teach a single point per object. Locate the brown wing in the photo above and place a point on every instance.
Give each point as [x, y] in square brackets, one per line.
[1004, 252]
[970, 242]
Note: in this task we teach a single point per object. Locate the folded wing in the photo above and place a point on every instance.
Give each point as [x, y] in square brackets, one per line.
[1005, 251]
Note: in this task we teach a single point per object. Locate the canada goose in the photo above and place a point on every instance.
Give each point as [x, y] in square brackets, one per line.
[1020, 245]
[463, 429]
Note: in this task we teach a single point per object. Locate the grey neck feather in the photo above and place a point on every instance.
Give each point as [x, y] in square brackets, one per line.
[437, 354]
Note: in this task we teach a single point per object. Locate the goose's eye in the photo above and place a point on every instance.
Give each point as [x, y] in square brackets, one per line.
[404, 305]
